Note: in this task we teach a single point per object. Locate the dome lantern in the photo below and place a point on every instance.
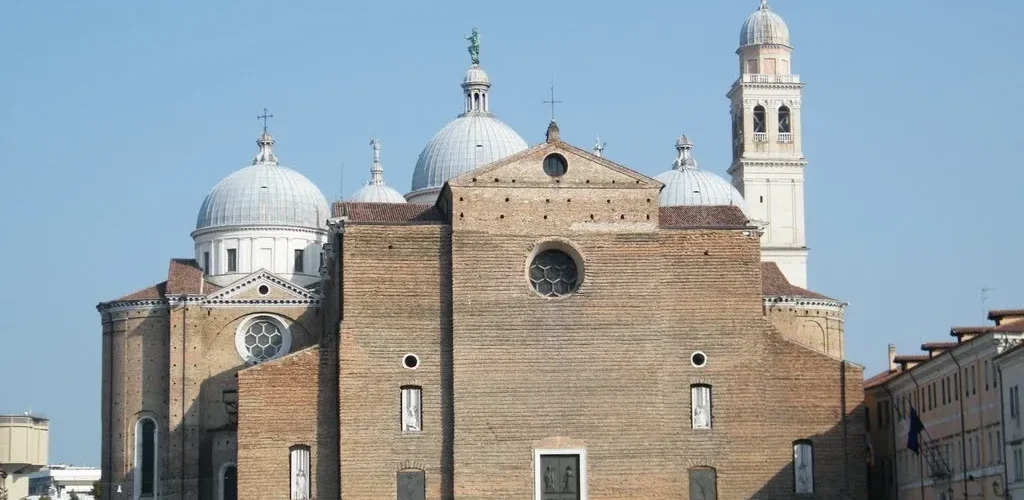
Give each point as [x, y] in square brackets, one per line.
[687, 184]
[764, 28]
[376, 191]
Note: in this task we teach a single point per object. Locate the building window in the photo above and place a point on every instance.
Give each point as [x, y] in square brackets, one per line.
[561, 477]
[760, 120]
[700, 405]
[785, 126]
[991, 448]
[752, 66]
[995, 375]
[999, 447]
[555, 165]
[261, 338]
[232, 260]
[412, 409]
[1018, 465]
[1015, 401]
[553, 273]
[206, 263]
[299, 256]
[803, 467]
[943, 392]
[299, 460]
[703, 484]
[956, 386]
[974, 379]
[867, 418]
[986, 374]
[228, 482]
[146, 456]
[412, 485]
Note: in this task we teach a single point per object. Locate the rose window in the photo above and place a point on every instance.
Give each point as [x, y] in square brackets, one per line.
[262, 338]
[553, 273]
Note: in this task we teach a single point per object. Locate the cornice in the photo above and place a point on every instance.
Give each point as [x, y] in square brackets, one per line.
[965, 352]
[253, 228]
[131, 305]
[804, 302]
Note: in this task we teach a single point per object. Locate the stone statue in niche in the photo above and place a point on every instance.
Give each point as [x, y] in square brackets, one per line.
[549, 480]
[567, 484]
[413, 418]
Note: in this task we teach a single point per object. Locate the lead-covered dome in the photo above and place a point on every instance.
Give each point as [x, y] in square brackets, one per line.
[686, 184]
[376, 191]
[472, 140]
[764, 27]
[264, 194]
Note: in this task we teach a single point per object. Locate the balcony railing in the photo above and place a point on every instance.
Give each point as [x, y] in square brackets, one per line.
[785, 137]
[760, 136]
[758, 78]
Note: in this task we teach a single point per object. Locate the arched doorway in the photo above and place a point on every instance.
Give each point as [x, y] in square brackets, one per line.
[228, 482]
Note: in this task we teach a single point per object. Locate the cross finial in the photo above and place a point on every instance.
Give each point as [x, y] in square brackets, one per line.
[264, 117]
[552, 102]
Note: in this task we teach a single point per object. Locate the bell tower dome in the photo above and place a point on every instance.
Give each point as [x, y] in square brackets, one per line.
[768, 163]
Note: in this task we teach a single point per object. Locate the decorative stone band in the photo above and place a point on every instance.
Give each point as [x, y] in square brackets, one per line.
[131, 305]
[295, 229]
[804, 303]
[149, 304]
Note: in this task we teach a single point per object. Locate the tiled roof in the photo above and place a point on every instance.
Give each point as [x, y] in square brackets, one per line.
[702, 216]
[387, 213]
[1011, 327]
[156, 291]
[957, 331]
[936, 346]
[912, 358]
[775, 284]
[185, 277]
[879, 379]
[999, 313]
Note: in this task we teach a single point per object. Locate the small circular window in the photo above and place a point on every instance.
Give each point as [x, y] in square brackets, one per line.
[263, 289]
[262, 338]
[553, 273]
[411, 361]
[698, 359]
[555, 165]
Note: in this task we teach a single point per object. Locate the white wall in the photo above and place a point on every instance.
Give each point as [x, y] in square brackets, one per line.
[261, 248]
[1011, 367]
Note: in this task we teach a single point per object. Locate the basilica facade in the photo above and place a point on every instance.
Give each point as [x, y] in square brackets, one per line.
[528, 321]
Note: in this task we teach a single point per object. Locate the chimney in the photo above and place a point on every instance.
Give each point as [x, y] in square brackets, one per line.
[892, 358]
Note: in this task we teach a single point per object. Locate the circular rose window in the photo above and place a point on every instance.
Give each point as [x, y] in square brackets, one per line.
[553, 273]
[262, 338]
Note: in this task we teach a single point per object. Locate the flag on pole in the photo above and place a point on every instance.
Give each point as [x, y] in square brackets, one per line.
[916, 426]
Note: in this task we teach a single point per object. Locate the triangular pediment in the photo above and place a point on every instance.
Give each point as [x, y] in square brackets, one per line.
[263, 287]
[526, 169]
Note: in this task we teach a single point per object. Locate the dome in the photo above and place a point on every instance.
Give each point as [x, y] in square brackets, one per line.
[376, 191]
[764, 27]
[468, 142]
[264, 194]
[687, 184]
[476, 75]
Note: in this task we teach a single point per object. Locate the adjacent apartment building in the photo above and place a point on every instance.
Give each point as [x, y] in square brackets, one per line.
[954, 388]
[1010, 366]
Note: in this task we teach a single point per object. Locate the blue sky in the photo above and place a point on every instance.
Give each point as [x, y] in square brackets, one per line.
[117, 117]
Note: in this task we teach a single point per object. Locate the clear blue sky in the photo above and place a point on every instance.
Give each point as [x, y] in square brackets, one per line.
[117, 117]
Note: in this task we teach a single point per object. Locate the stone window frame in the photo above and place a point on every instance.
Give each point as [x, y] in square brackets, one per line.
[413, 356]
[537, 473]
[694, 388]
[562, 245]
[283, 326]
[137, 466]
[301, 454]
[409, 394]
[702, 353]
[797, 446]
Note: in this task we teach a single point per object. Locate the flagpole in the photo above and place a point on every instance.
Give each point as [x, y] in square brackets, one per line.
[912, 413]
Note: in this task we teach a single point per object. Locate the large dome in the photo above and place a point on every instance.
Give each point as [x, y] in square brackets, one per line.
[687, 184]
[468, 142]
[764, 27]
[264, 194]
[472, 140]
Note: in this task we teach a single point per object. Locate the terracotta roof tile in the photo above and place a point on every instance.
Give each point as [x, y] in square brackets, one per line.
[184, 277]
[387, 213]
[996, 314]
[775, 284]
[937, 346]
[879, 379]
[702, 216]
[958, 331]
[156, 291]
[1010, 327]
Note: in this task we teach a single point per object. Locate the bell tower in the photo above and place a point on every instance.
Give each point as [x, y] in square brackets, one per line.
[767, 162]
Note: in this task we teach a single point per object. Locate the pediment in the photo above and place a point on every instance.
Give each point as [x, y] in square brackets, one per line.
[263, 287]
[526, 169]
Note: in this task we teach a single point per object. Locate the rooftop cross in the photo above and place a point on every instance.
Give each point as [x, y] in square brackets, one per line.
[552, 102]
[264, 117]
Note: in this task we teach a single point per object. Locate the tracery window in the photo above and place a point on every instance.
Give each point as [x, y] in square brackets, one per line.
[700, 406]
[262, 338]
[803, 467]
[553, 273]
[299, 472]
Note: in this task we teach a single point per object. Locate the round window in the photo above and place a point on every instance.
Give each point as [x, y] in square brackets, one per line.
[263, 289]
[698, 359]
[555, 165]
[262, 338]
[553, 273]
[411, 361]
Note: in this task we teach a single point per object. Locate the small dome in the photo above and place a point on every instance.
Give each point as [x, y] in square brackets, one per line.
[687, 184]
[476, 75]
[264, 194]
[764, 27]
[376, 191]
